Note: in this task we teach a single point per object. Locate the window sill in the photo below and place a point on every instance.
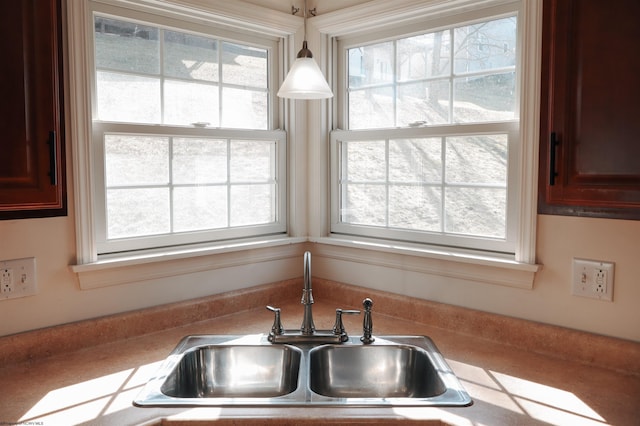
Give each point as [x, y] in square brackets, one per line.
[115, 270]
[484, 268]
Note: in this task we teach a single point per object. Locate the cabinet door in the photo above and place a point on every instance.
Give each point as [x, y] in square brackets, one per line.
[32, 178]
[590, 109]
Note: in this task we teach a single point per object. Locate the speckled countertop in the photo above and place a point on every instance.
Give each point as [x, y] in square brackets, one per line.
[59, 376]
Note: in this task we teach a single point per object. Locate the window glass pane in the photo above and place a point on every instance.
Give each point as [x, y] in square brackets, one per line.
[252, 204]
[137, 211]
[401, 184]
[485, 46]
[476, 211]
[364, 204]
[187, 103]
[190, 57]
[244, 109]
[483, 78]
[372, 64]
[136, 160]
[199, 161]
[244, 65]
[190, 75]
[415, 160]
[484, 98]
[424, 56]
[128, 98]
[365, 161]
[423, 103]
[126, 46]
[252, 161]
[199, 208]
[477, 159]
[415, 207]
[371, 108]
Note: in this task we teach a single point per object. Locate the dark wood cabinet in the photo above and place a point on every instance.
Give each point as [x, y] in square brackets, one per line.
[590, 109]
[32, 166]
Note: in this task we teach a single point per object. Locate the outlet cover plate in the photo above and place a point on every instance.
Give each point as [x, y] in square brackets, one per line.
[17, 278]
[593, 279]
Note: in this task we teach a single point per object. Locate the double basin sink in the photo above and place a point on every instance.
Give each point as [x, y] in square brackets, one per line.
[226, 370]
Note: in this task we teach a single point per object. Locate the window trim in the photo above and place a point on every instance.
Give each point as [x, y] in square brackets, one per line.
[381, 15]
[232, 15]
[308, 189]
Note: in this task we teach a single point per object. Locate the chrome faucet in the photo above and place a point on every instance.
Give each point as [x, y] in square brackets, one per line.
[307, 327]
[308, 332]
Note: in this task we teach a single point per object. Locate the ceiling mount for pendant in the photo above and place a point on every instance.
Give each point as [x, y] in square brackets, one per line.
[305, 80]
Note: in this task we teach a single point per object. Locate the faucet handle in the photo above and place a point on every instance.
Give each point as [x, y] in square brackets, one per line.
[338, 327]
[367, 322]
[276, 328]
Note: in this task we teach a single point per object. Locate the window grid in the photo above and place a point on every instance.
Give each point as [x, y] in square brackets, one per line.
[162, 77]
[443, 184]
[261, 173]
[451, 77]
[253, 205]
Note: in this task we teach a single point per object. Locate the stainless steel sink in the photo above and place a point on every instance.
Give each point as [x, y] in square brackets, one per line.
[389, 371]
[214, 371]
[249, 370]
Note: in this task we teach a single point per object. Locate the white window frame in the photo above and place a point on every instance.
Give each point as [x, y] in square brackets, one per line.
[383, 18]
[233, 17]
[507, 127]
[107, 246]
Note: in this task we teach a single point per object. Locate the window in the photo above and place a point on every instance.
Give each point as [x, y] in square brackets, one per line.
[463, 74]
[432, 140]
[183, 141]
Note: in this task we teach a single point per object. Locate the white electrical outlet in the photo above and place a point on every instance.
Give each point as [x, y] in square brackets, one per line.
[592, 278]
[17, 278]
[6, 280]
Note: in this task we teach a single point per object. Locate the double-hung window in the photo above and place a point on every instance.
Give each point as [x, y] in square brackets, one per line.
[429, 146]
[184, 145]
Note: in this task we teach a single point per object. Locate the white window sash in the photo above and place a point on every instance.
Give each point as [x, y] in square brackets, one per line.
[105, 246]
[502, 245]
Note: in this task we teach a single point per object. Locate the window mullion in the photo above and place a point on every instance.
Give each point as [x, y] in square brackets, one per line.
[395, 82]
[162, 74]
[171, 188]
[228, 183]
[451, 73]
[219, 43]
[387, 181]
[443, 183]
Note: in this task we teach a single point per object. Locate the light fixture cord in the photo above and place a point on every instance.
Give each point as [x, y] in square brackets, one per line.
[305, 20]
[304, 52]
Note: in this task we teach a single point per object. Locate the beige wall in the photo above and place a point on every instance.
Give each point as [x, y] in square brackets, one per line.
[559, 240]
[562, 238]
[60, 299]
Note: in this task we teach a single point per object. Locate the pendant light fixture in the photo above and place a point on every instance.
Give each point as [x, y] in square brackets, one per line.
[304, 80]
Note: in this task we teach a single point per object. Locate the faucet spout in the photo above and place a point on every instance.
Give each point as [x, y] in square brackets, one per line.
[307, 327]
[307, 332]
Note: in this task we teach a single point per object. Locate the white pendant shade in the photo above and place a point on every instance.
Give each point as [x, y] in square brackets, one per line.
[305, 81]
